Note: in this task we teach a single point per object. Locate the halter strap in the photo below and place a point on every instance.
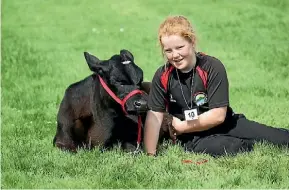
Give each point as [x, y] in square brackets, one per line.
[117, 99]
[122, 103]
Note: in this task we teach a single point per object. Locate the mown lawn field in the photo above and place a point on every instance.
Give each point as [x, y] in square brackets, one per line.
[42, 53]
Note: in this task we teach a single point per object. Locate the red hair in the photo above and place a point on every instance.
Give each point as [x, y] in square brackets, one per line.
[177, 25]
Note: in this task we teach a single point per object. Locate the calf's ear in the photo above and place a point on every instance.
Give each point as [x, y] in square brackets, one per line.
[93, 62]
[146, 86]
[132, 69]
[126, 55]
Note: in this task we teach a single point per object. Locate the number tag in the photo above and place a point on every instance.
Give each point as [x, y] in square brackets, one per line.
[191, 114]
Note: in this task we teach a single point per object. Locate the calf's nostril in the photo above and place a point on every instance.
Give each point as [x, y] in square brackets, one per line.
[137, 103]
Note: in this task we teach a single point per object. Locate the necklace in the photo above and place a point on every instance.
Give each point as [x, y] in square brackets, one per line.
[192, 84]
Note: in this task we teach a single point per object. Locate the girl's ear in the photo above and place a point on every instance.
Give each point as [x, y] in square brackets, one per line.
[194, 42]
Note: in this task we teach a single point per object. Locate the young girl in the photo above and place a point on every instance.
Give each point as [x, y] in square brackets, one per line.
[194, 88]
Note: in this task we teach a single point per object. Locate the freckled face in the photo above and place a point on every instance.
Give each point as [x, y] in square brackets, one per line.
[179, 52]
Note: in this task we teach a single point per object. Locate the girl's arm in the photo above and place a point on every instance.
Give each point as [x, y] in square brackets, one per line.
[151, 131]
[205, 121]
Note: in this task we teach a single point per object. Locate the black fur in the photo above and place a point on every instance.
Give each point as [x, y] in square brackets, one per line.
[89, 117]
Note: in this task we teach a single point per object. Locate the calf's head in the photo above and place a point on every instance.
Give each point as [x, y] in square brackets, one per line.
[123, 77]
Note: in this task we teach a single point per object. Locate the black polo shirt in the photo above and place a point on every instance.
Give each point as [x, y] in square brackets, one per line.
[210, 88]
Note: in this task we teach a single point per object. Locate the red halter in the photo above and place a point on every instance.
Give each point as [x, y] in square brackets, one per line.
[122, 103]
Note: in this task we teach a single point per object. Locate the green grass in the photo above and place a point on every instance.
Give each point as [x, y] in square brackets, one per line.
[42, 53]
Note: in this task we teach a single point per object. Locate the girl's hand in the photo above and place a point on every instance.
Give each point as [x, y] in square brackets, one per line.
[178, 126]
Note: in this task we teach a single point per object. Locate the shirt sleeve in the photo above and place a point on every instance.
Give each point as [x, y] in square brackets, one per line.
[218, 85]
[157, 95]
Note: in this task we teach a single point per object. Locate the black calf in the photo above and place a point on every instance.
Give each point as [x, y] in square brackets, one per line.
[88, 116]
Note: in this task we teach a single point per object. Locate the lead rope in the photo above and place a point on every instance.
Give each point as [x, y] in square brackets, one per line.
[139, 123]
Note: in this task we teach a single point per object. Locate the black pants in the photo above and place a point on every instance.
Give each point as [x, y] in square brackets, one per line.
[235, 135]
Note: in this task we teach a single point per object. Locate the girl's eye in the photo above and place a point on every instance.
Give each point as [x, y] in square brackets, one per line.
[168, 51]
[180, 47]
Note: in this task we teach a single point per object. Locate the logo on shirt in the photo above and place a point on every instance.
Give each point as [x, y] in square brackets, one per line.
[200, 98]
[172, 98]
